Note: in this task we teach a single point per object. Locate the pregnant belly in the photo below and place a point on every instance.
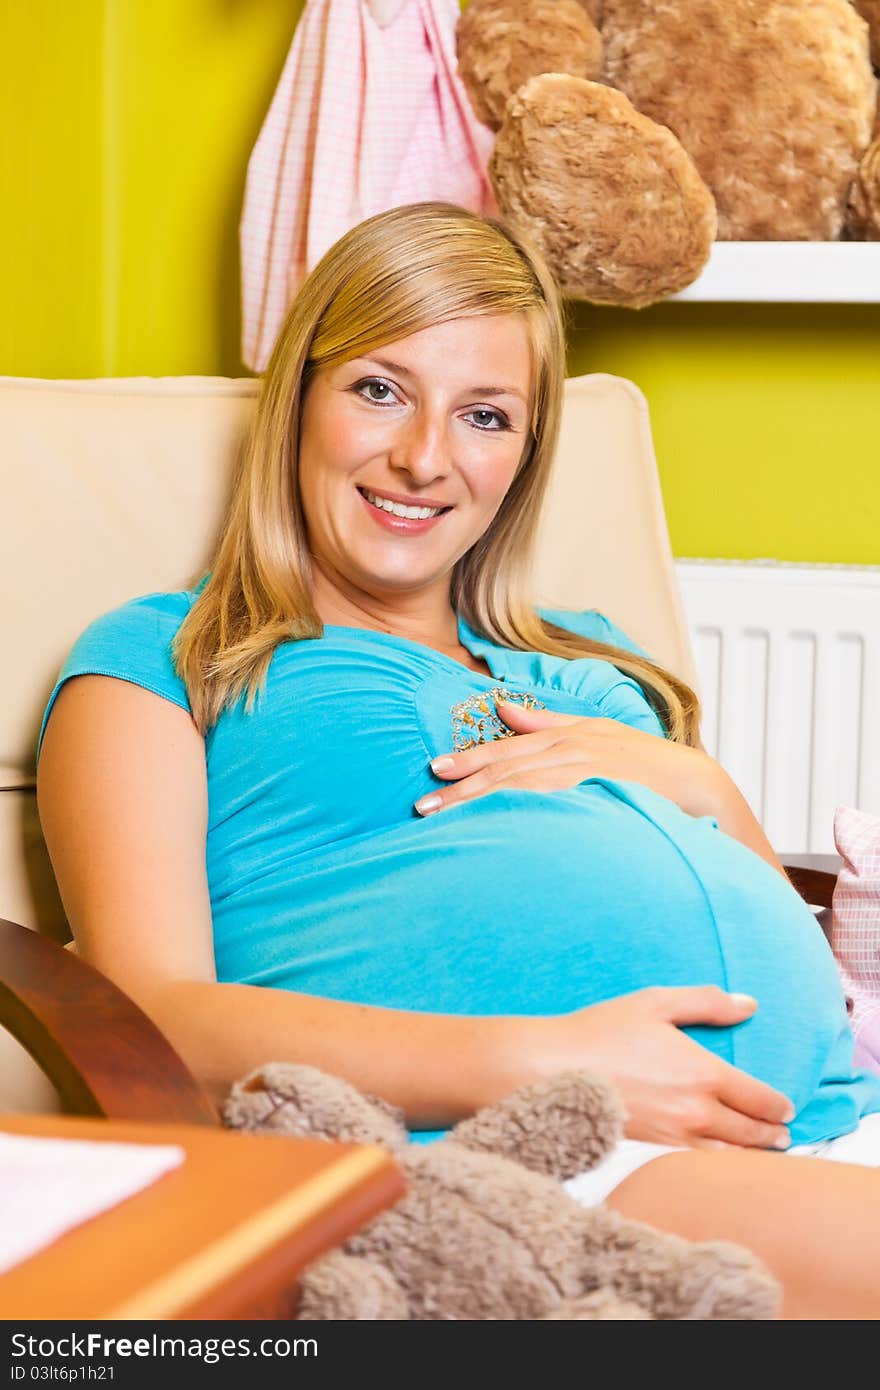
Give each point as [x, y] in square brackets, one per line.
[530, 903]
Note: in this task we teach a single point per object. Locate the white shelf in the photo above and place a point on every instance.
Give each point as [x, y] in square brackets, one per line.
[788, 272]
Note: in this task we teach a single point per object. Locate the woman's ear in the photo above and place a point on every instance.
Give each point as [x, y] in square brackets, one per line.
[385, 12]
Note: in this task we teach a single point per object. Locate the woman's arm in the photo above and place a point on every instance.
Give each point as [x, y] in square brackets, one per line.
[122, 794]
[734, 815]
[123, 801]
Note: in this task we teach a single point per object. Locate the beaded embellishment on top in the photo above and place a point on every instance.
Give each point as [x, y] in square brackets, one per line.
[474, 720]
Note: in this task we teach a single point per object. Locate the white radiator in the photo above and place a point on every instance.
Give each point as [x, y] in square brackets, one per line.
[788, 660]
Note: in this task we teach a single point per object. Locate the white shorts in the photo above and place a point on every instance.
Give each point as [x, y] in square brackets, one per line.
[591, 1188]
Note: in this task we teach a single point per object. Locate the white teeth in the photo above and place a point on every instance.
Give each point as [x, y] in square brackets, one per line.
[398, 509]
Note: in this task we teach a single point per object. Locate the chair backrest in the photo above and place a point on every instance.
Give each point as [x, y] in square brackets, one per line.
[115, 488]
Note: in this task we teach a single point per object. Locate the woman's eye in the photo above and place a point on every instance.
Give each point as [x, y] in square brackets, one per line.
[496, 415]
[373, 383]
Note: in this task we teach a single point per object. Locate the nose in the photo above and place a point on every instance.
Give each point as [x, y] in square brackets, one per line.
[422, 447]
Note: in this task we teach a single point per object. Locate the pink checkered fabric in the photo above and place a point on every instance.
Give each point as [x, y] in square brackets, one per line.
[366, 117]
[855, 926]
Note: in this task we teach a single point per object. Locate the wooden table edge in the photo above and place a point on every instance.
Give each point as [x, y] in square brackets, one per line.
[254, 1263]
[320, 1206]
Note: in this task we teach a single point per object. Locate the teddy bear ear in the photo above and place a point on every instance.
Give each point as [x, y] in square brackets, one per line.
[295, 1099]
[558, 1127]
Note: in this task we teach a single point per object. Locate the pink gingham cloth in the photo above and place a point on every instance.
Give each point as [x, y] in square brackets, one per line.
[855, 927]
[366, 117]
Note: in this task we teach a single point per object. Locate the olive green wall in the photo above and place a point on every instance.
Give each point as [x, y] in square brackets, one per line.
[766, 422]
[127, 126]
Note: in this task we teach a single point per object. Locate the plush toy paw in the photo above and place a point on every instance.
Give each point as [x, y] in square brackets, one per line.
[610, 198]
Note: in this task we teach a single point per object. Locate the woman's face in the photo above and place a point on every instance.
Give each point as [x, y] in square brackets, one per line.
[436, 420]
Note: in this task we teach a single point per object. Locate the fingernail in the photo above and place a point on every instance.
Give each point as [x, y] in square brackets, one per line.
[442, 764]
[783, 1142]
[744, 1001]
[428, 804]
[789, 1114]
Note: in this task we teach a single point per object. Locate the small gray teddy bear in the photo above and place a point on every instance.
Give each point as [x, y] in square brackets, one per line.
[485, 1229]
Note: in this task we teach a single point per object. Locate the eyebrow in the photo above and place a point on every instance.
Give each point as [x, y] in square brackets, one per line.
[477, 390]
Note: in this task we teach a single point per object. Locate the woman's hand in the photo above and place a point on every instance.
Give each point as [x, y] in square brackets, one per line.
[675, 1091]
[555, 751]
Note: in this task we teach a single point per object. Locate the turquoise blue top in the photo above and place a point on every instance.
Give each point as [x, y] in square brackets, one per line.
[324, 879]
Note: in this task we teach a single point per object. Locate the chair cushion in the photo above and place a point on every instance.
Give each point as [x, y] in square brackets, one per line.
[855, 926]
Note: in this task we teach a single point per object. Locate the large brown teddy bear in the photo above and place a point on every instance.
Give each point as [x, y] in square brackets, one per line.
[485, 1230]
[632, 134]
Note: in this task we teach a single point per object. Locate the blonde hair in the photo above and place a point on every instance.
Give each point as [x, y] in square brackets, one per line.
[392, 275]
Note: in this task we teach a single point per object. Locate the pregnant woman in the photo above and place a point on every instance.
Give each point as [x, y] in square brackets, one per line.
[352, 800]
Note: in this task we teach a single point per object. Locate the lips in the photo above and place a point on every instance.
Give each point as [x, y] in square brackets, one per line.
[371, 495]
[401, 525]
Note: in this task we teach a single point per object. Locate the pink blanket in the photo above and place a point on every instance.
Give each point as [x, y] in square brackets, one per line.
[366, 117]
[855, 926]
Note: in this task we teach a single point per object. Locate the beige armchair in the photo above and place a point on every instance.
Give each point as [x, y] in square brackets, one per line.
[115, 488]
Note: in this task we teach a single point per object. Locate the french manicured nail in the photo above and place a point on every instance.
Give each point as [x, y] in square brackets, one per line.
[783, 1142]
[743, 1001]
[789, 1114]
[428, 804]
[442, 764]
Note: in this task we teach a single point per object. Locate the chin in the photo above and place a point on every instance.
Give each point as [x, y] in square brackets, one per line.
[379, 581]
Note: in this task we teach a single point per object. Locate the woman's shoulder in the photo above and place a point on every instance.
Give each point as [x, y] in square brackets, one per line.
[158, 610]
[131, 642]
[594, 625]
[603, 686]
[133, 630]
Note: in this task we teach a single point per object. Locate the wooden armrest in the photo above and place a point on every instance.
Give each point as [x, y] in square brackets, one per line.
[99, 1049]
[813, 875]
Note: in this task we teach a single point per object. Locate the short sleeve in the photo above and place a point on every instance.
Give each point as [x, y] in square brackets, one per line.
[623, 699]
[594, 625]
[132, 643]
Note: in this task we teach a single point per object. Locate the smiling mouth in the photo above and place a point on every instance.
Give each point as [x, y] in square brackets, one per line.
[398, 509]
